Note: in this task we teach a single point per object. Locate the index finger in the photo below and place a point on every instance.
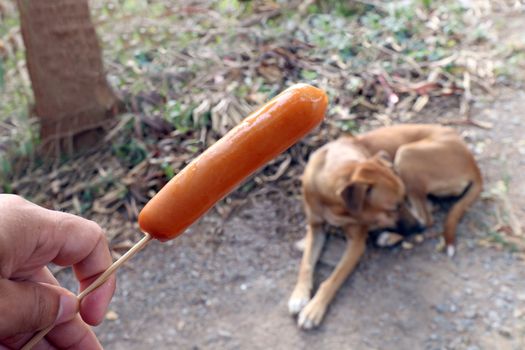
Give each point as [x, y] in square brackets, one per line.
[31, 237]
[80, 243]
[86, 248]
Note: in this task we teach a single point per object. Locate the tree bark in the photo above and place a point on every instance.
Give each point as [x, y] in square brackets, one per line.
[64, 61]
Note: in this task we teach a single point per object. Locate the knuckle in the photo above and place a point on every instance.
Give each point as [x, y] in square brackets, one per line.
[65, 223]
[44, 311]
[35, 309]
[12, 199]
[96, 229]
[97, 232]
[68, 223]
[11, 205]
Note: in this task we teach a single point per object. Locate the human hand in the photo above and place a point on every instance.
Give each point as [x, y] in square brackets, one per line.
[31, 298]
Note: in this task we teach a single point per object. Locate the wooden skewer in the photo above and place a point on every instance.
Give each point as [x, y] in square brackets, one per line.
[97, 283]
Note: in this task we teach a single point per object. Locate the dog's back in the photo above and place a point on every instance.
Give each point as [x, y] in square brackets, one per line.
[390, 138]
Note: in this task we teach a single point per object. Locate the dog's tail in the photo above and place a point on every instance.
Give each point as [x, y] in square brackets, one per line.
[458, 209]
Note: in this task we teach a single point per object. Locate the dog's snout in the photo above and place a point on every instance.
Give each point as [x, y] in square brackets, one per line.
[407, 229]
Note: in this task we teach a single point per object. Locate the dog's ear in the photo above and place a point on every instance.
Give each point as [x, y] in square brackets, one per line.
[354, 195]
[384, 158]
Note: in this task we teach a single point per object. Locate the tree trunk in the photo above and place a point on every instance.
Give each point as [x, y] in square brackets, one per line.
[64, 61]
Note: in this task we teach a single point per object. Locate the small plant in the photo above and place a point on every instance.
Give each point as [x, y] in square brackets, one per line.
[350, 126]
[169, 172]
[499, 239]
[132, 152]
[308, 75]
[179, 116]
[427, 4]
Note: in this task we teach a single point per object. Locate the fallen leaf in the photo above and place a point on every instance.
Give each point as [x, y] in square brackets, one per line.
[111, 315]
[407, 245]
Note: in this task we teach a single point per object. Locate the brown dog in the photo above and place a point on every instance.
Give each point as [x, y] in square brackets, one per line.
[352, 183]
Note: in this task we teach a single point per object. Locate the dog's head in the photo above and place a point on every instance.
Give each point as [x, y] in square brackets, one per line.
[374, 194]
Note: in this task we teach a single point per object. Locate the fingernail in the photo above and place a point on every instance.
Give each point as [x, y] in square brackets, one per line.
[68, 308]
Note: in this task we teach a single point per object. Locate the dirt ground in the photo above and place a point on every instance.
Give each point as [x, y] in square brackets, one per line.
[225, 283]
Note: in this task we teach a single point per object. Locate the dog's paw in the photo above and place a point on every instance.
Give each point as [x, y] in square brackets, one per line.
[295, 305]
[300, 244]
[312, 315]
[451, 250]
[388, 239]
[298, 301]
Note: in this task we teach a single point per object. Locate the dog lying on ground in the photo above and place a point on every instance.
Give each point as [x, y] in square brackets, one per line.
[378, 180]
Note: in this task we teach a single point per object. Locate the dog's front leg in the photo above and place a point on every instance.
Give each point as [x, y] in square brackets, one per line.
[313, 313]
[314, 242]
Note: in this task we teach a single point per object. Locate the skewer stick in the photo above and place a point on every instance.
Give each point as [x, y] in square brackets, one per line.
[97, 283]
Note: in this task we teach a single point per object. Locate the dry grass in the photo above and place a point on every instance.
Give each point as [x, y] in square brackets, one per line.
[188, 71]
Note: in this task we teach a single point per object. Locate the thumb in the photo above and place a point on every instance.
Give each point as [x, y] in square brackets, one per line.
[27, 307]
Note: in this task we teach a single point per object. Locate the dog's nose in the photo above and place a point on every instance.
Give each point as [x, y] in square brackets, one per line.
[419, 228]
[407, 229]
